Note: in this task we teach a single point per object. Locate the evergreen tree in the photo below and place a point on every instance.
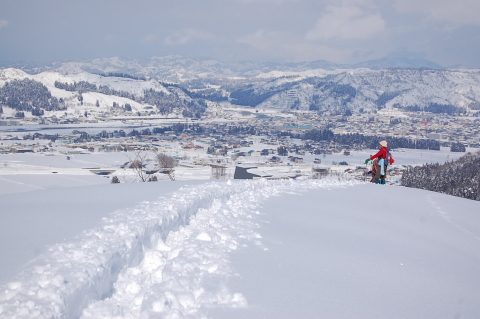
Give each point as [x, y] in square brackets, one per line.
[458, 178]
[115, 180]
[282, 151]
[457, 147]
[37, 111]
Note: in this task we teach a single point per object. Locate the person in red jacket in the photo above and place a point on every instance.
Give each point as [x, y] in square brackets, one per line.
[381, 155]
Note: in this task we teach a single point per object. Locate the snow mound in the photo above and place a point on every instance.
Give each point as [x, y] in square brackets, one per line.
[166, 258]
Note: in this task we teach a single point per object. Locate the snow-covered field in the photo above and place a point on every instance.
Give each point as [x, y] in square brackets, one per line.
[239, 249]
[33, 171]
[75, 246]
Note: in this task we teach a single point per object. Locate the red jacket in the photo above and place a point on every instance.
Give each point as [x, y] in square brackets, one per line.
[382, 153]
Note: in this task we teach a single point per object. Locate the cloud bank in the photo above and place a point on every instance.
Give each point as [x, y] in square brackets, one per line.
[345, 31]
[346, 22]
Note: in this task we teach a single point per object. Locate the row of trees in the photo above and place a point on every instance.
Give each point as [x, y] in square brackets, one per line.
[175, 128]
[84, 87]
[458, 178]
[357, 139]
[123, 75]
[438, 109]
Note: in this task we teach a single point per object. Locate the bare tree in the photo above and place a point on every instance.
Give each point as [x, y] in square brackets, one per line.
[218, 172]
[138, 162]
[223, 151]
[167, 163]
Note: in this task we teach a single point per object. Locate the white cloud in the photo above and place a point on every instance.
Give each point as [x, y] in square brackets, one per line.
[111, 38]
[310, 52]
[283, 44]
[348, 21]
[186, 36]
[458, 11]
[259, 39]
[3, 23]
[149, 38]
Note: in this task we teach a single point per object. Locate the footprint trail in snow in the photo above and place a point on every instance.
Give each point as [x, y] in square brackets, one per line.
[166, 259]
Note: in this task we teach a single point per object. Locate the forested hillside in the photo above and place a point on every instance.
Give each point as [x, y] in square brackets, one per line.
[451, 92]
[29, 95]
[458, 178]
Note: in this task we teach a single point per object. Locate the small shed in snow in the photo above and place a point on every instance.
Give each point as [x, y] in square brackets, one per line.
[245, 171]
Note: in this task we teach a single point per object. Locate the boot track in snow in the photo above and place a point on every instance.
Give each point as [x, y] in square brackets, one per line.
[167, 258]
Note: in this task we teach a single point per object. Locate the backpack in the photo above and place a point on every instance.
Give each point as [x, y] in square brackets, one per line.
[389, 159]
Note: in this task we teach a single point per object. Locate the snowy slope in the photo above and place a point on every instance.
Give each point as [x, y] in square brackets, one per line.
[48, 79]
[105, 101]
[132, 86]
[363, 88]
[256, 249]
[135, 87]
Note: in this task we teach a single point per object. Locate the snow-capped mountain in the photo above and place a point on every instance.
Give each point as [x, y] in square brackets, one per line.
[317, 85]
[365, 89]
[397, 62]
[178, 68]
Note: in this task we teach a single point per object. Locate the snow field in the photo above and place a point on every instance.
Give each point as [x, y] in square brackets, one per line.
[167, 258]
[361, 252]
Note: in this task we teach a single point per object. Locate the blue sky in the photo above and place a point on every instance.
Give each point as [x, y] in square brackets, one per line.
[350, 31]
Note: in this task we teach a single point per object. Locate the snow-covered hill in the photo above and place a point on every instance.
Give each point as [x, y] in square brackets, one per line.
[366, 89]
[249, 249]
[48, 79]
[317, 85]
[299, 86]
[124, 91]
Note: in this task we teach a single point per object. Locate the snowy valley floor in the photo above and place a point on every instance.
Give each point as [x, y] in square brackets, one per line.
[239, 249]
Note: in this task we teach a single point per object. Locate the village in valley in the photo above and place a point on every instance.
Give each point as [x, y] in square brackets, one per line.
[104, 127]
[231, 142]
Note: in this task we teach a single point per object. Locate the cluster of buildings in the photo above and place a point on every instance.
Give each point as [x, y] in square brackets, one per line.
[222, 143]
[444, 128]
[385, 122]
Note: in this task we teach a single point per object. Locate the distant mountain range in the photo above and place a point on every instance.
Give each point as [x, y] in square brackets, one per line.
[410, 63]
[437, 91]
[188, 86]
[177, 68]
